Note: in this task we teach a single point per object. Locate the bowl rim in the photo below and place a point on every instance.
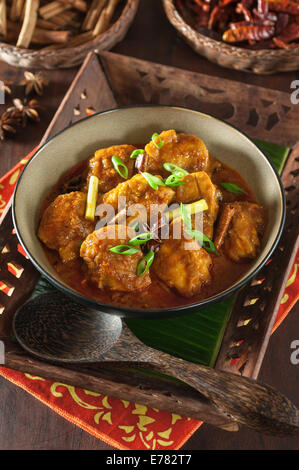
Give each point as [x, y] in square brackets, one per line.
[226, 48]
[116, 309]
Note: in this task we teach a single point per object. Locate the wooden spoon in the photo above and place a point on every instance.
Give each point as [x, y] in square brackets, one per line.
[54, 328]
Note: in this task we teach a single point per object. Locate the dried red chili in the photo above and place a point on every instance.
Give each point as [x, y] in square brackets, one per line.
[245, 33]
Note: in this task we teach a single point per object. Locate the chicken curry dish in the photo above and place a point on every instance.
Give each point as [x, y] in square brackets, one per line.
[151, 226]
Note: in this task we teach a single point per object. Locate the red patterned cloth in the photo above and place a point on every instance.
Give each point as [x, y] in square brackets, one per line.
[123, 425]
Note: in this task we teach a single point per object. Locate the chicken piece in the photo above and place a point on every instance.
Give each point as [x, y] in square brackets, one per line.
[63, 226]
[107, 269]
[199, 186]
[137, 191]
[243, 236]
[184, 150]
[182, 264]
[101, 165]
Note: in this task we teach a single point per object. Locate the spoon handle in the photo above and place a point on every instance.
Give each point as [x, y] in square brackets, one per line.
[244, 400]
[247, 401]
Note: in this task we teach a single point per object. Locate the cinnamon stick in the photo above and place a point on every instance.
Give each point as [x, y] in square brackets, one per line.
[73, 42]
[40, 36]
[65, 19]
[105, 18]
[223, 225]
[3, 20]
[45, 36]
[93, 14]
[16, 9]
[52, 9]
[80, 5]
[29, 23]
[46, 24]
[80, 39]
[102, 24]
[110, 8]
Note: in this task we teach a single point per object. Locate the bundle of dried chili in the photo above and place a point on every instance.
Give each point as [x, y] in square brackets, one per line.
[253, 23]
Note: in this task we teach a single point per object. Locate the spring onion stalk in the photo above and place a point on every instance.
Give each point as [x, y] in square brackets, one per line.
[194, 208]
[92, 196]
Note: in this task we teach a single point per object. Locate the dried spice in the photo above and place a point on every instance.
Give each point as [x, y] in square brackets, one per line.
[251, 23]
[23, 110]
[34, 82]
[4, 86]
[7, 124]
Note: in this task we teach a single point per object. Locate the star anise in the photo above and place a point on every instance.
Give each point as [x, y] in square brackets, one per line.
[23, 110]
[34, 82]
[7, 123]
[4, 86]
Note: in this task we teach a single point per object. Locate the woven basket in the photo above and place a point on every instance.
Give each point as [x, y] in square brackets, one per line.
[70, 56]
[264, 61]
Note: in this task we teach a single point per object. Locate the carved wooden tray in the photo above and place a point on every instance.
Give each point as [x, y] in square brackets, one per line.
[271, 117]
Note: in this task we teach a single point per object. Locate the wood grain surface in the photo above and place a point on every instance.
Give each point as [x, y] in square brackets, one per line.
[27, 424]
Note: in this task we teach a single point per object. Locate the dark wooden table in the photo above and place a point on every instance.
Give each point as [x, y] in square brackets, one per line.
[25, 423]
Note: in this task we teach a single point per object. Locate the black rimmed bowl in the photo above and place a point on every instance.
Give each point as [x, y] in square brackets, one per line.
[137, 124]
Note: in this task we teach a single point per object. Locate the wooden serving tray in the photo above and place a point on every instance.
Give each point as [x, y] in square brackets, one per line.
[271, 117]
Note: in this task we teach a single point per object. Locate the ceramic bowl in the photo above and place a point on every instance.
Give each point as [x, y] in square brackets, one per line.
[136, 124]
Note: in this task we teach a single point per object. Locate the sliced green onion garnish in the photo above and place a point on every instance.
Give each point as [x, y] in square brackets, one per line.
[140, 239]
[204, 241]
[160, 142]
[124, 250]
[174, 181]
[153, 181]
[120, 167]
[136, 152]
[174, 169]
[233, 188]
[145, 263]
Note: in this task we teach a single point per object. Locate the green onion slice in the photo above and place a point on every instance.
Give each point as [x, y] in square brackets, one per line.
[174, 169]
[124, 250]
[204, 241]
[160, 142]
[120, 167]
[145, 263]
[136, 152]
[140, 239]
[233, 188]
[153, 181]
[174, 180]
